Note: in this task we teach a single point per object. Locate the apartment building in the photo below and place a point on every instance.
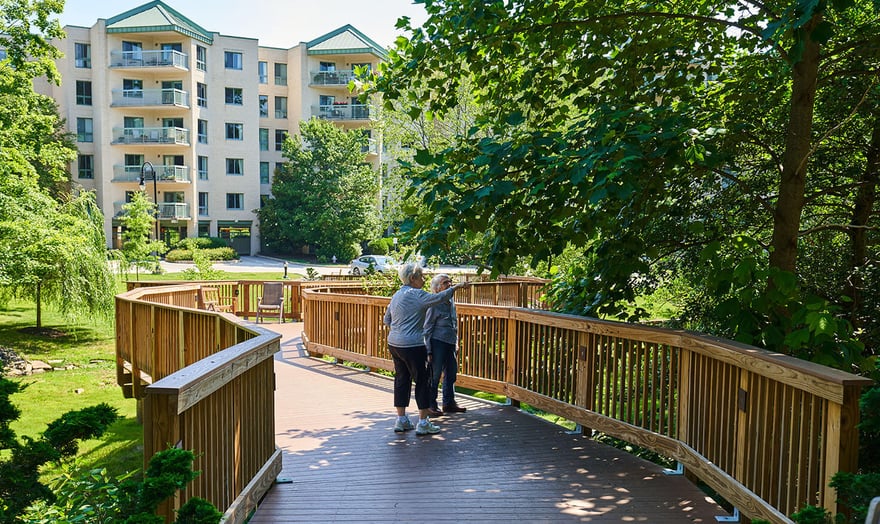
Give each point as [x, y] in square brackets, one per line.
[195, 118]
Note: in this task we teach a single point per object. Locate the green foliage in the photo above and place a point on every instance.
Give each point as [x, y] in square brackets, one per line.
[138, 219]
[869, 430]
[312, 274]
[217, 253]
[855, 491]
[324, 195]
[379, 246]
[19, 469]
[201, 243]
[96, 498]
[812, 515]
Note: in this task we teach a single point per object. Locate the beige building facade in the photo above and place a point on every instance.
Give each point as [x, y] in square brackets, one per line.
[195, 118]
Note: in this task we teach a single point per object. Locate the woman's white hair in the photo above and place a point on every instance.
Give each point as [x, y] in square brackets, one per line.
[408, 271]
[438, 278]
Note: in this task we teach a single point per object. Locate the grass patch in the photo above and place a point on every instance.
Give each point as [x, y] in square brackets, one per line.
[89, 347]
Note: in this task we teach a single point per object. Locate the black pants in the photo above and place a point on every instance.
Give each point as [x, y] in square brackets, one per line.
[410, 364]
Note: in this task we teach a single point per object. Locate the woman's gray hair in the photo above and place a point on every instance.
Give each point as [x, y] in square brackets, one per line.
[438, 278]
[408, 271]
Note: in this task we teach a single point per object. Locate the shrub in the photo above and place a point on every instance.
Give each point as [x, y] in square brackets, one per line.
[379, 246]
[219, 253]
[201, 243]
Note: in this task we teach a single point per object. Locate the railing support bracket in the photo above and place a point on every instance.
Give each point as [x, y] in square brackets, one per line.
[679, 470]
[730, 518]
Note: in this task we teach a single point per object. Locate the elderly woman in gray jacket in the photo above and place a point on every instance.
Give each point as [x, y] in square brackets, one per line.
[406, 317]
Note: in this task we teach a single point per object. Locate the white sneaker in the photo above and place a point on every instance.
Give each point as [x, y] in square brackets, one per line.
[426, 427]
[403, 425]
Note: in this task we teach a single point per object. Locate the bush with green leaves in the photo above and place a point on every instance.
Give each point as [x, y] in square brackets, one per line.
[96, 498]
[218, 253]
[201, 243]
[20, 484]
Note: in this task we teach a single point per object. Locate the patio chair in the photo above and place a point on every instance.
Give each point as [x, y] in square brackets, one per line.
[272, 300]
[210, 300]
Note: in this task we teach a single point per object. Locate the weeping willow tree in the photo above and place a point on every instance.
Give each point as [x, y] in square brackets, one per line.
[54, 253]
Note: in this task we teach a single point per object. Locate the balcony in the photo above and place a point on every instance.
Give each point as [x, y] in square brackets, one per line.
[145, 59]
[149, 98]
[178, 174]
[174, 211]
[332, 78]
[342, 111]
[151, 135]
[167, 210]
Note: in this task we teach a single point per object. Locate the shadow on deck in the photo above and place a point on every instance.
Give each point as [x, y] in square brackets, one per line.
[494, 463]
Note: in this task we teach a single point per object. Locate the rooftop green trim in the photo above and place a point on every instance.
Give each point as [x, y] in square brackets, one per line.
[315, 46]
[157, 16]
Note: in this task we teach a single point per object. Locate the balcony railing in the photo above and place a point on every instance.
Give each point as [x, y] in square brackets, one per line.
[151, 135]
[174, 211]
[332, 78]
[150, 97]
[342, 111]
[163, 173]
[159, 58]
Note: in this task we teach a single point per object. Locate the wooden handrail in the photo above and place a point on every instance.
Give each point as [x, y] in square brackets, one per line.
[767, 431]
[207, 383]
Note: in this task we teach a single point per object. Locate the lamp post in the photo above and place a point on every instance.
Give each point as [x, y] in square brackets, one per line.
[147, 167]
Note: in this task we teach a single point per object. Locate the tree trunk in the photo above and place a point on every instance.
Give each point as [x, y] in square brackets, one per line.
[858, 234]
[39, 310]
[790, 203]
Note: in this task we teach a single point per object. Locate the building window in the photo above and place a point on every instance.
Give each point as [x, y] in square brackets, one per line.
[202, 94]
[233, 96]
[280, 135]
[235, 166]
[264, 139]
[86, 166]
[83, 92]
[327, 67]
[280, 107]
[264, 172]
[234, 131]
[203, 131]
[232, 60]
[203, 204]
[264, 106]
[280, 74]
[264, 72]
[201, 58]
[83, 55]
[234, 200]
[203, 167]
[84, 130]
[132, 88]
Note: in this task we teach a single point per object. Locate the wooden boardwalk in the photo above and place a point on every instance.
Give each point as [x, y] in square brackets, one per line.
[343, 462]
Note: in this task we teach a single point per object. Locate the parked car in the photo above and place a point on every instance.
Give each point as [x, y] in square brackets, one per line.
[378, 263]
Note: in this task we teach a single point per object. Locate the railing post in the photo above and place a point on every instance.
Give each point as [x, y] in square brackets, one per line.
[585, 386]
[841, 442]
[511, 354]
[684, 395]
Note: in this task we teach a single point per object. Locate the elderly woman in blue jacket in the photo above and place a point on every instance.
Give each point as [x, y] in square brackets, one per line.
[441, 339]
[406, 317]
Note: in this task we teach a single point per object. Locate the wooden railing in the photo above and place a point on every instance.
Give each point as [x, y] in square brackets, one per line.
[765, 430]
[207, 384]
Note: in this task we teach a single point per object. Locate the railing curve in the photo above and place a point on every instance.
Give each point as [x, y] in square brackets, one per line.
[207, 384]
[766, 431]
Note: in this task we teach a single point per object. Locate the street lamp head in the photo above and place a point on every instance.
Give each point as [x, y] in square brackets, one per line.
[142, 184]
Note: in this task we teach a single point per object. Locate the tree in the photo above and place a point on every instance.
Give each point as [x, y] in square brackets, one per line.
[138, 219]
[324, 195]
[641, 134]
[51, 242]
